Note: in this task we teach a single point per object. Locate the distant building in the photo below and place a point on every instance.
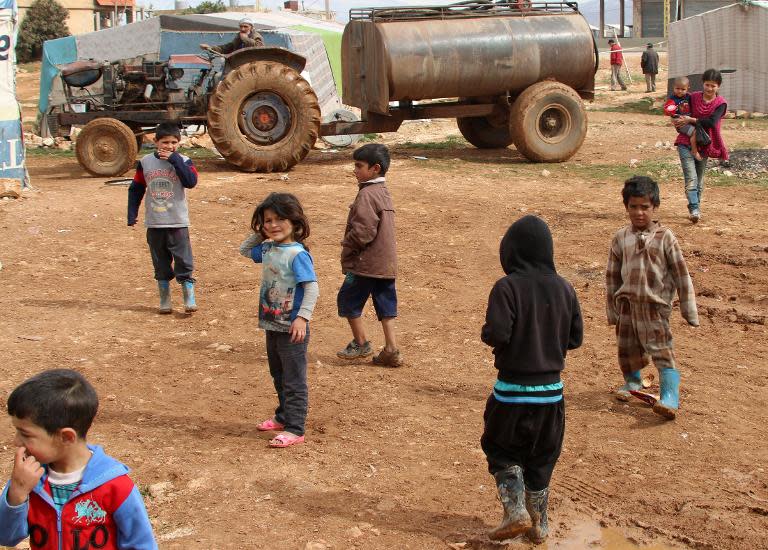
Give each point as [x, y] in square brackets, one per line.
[648, 15]
[91, 15]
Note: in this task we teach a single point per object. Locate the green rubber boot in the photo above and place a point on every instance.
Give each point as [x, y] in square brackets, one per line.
[512, 495]
[165, 297]
[188, 290]
[536, 504]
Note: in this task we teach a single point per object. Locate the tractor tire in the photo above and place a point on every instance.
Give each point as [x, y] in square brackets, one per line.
[482, 134]
[548, 122]
[106, 147]
[263, 117]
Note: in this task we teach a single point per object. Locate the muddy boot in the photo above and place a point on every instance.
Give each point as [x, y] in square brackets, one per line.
[632, 381]
[512, 495]
[165, 296]
[536, 504]
[188, 290]
[669, 400]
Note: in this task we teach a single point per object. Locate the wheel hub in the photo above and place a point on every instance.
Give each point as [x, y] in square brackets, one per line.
[554, 123]
[105, 149]
[264, 118]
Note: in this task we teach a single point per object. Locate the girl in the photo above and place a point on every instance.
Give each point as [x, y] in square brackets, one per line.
[287, 297]
[707, 111]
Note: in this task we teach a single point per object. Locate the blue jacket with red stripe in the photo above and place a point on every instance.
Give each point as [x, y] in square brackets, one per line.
[105, 511]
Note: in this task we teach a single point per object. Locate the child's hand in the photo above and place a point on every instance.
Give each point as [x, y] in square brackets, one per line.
[27, 471]
[298, 330]
[164, 153]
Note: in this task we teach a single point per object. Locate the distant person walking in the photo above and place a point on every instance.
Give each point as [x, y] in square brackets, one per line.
[649, 63]
[617, 60]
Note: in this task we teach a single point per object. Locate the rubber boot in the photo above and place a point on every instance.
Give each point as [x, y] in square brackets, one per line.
[669, 400]
[512, 495]
[165, 296]
[632, 381]
[536, 504]
[188, 290]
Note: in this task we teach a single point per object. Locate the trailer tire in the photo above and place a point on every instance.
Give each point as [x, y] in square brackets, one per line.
[263, 117]
[482, 134]
[548, 122]
[106, 147]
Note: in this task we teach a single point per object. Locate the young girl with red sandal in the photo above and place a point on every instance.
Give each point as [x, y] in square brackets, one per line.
[287, 298]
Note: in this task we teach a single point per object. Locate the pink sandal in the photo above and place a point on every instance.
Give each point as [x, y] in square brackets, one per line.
[270, 425]
[285, 439]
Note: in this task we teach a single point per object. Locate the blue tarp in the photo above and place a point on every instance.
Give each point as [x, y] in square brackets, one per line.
[55, 52]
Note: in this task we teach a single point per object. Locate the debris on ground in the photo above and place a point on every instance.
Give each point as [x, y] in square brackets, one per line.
[745, 163]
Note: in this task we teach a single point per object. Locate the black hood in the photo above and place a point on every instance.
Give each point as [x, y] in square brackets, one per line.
[527, 247]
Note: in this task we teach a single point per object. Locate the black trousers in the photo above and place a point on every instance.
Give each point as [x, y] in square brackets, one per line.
[171, 253]
[288, 367]
[527, 435]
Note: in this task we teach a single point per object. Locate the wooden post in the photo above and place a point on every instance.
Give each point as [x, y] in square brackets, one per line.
[602, 19]
[621, 17]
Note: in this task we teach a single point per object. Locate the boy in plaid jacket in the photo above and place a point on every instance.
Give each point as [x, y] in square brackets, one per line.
[645, 269]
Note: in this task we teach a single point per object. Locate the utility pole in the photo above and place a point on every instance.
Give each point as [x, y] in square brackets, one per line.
[327, 10]
[666, 18]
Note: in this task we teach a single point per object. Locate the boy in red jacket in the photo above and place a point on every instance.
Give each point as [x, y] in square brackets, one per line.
[64, 493]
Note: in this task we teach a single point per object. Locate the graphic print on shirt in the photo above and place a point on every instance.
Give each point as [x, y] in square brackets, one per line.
[88, 512]
[278, 288]
[161, 189]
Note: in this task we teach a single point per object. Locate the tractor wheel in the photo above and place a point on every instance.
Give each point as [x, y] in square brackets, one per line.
[106, 147]
[263, 117]
[482, 134]
[548, 122]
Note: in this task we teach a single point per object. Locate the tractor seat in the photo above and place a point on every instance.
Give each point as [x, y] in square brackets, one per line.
[81, 73]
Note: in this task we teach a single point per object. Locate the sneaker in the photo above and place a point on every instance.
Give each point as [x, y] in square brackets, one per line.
[388, 358]
[355, 350]
[695, 215]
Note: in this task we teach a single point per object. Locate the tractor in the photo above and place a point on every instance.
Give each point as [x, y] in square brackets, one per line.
[508, 72]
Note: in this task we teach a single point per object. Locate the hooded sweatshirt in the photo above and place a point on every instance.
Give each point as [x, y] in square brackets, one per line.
[105, 511]
[533, 314]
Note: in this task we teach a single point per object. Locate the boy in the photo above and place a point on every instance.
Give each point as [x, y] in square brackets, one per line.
[645, 268]
[679, 104]
[64, 493]
[166, 174]
[369, 257]
[533, 319]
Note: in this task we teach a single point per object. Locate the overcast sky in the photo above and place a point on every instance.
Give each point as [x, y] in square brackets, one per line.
[590, 8]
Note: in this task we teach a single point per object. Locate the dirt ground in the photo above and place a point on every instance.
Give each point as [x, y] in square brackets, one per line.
[392, 458]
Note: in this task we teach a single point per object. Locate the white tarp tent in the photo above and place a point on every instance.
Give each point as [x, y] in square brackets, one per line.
[11, 133]
[731, 37]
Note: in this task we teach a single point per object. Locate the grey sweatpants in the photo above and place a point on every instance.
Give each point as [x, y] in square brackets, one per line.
[171, 253]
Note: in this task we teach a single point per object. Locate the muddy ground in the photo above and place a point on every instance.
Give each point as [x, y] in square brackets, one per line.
[392, 458]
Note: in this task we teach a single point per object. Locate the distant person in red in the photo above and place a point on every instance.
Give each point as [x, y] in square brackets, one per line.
[617, 60]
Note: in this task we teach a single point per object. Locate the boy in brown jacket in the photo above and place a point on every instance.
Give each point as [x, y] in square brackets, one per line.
[369, 257]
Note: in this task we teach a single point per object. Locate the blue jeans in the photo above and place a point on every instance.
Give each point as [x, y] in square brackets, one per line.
[288, 367]
[693, 174]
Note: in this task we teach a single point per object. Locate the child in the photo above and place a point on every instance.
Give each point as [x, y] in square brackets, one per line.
[645, 268]
[369, 257]
[679, 104]
[64, 493]
[533, 318]
[166, 174]
[287, 298]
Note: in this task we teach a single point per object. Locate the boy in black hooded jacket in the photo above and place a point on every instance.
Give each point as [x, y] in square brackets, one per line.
[533, 318]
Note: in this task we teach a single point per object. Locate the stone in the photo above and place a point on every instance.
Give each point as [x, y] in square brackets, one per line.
[727, 173]
[633, 163]
[157, 490]
[354, 532]
[545, 173]
[10, 188]
[48, 142]
[316, 545]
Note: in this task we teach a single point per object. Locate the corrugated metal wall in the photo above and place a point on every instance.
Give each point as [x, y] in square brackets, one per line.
[733, 37]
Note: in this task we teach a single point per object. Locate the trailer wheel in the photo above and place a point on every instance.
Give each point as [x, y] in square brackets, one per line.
[548, 122]
[106, 147]
[263, 117]
[482, 134]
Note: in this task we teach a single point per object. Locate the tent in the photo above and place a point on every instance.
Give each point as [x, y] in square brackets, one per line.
[731, 37]
[11, 132]
[159, 37]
